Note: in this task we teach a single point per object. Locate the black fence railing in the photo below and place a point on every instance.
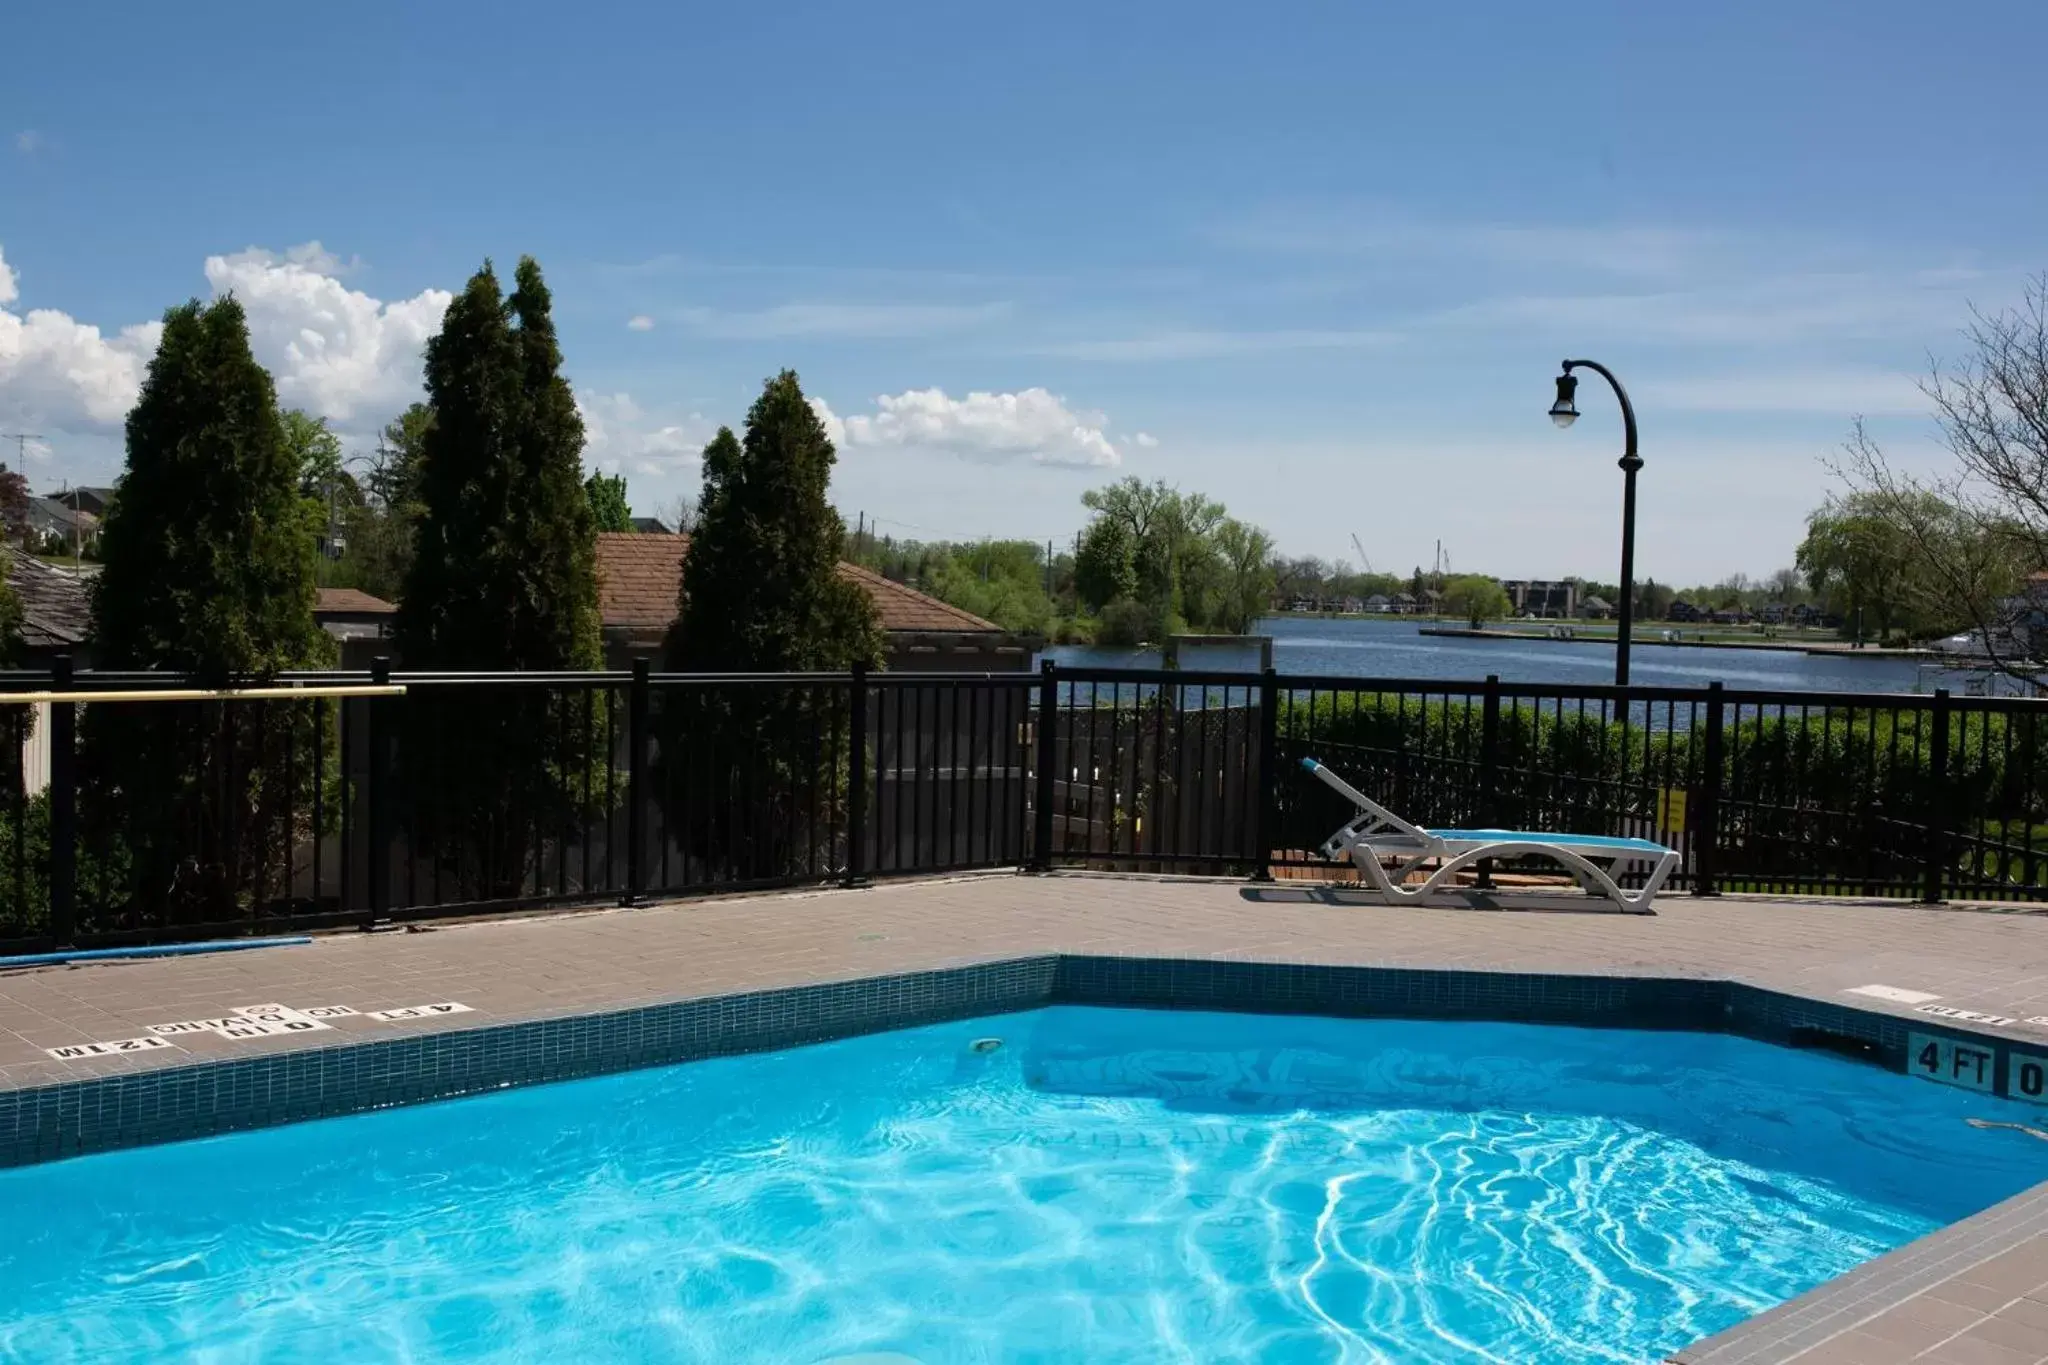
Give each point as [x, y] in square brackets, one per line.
[151, 819]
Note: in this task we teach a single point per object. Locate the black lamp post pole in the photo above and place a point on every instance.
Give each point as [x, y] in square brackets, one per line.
[1630, 463]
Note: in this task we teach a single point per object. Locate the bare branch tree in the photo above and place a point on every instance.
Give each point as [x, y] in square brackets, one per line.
[678, 513]
[1973, 532]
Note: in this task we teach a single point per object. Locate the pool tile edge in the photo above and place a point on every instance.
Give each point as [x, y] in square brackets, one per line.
[204, 1099]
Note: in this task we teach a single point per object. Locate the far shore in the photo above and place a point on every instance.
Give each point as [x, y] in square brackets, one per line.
[1837, 647]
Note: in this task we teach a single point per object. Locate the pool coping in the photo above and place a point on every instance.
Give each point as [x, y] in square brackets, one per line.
[1836, 1321]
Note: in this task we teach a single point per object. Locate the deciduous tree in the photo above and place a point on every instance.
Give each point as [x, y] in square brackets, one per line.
[1478, 599]
[1970, 534]
[13, 506]
[1247, 554]
[609, 509]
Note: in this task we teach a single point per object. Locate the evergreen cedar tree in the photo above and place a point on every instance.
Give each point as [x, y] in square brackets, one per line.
[761, 590]
[504, 568]
[208, 570]
[208, 561]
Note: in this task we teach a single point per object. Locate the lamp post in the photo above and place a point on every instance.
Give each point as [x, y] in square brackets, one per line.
[1564, 412]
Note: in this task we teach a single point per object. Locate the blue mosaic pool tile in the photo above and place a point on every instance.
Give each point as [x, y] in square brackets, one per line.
[73, 1117]
[172, 1103]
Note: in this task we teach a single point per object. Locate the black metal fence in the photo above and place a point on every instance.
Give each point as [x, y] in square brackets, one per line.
[125, 821]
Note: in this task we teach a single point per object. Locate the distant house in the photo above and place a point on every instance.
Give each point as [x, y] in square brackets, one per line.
[2025, 616]
[49, 517]
[1595, 608]
[56, 618]
[56, 610]
[652, 526]
[1379, 602]
[1404, 604]
[92, 501]
[360, 623]
[1682, 610]
[637, 577]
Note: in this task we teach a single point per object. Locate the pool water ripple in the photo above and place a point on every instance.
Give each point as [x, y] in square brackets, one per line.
[1106, 1186]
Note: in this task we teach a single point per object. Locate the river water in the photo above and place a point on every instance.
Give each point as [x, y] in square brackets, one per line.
[1396, 649]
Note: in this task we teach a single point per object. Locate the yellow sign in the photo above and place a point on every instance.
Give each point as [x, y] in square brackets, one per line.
[1671, 810]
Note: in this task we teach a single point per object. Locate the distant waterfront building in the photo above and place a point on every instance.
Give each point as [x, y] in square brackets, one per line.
[1542, 597]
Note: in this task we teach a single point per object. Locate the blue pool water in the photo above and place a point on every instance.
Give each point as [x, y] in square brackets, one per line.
[1106, 1186]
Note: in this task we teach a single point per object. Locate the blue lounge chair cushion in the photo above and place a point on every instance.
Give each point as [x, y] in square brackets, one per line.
[1647, 847]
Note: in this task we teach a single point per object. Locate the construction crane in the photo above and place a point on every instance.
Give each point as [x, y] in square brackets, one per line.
[1364, 564]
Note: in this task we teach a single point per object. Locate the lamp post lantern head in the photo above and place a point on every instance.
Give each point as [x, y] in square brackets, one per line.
[1564, 411]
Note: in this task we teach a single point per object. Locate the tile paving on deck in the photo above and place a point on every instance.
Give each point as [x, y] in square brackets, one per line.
[1975, 1292]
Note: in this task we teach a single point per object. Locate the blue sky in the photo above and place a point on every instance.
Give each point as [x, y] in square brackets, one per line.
[1318, 261]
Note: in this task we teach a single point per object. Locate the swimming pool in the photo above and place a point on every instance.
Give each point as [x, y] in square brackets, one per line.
[1105, 1185]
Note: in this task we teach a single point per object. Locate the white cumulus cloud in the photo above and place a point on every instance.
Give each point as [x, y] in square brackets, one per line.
[620, 435]
[834, 428]
[1030, 424]
[1146, 439]
[56, 371]
[334, 351]
[640, 322]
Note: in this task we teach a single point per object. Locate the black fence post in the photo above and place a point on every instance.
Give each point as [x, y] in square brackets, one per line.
[638, 741]
[63, 807]
[1489, 769]
[380, 794]
[1269, 780]
[857, 779]
[1047, 749]
[1937, 803]
[1706, 816]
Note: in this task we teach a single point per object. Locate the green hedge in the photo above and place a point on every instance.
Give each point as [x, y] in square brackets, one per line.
[1795, 788]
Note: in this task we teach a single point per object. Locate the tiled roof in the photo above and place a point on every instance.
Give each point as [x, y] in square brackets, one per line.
[351, 600]
[637, 577]
[56, 604]
[907, 609]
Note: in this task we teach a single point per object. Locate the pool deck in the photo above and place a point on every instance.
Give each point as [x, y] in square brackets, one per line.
[1972, 1294]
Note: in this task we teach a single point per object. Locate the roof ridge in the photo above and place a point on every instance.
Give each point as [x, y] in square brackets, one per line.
[639, 589]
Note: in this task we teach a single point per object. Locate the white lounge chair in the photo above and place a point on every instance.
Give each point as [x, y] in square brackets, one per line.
[1378, 833]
